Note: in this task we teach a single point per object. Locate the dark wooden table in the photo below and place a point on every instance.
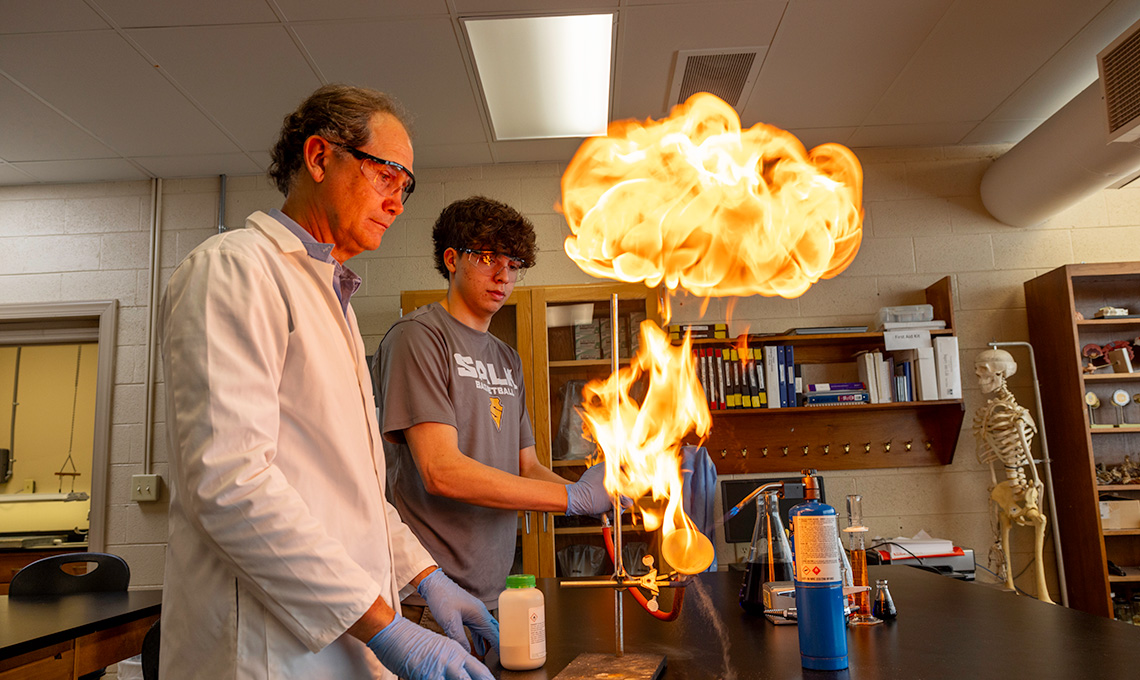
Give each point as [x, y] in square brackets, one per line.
[946, 629]
[43, 637]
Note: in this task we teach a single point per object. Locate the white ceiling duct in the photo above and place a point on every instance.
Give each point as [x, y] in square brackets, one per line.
[1070, 156]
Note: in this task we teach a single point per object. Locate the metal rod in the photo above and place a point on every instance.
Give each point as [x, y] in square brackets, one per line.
[619, 568]
[1048, 464]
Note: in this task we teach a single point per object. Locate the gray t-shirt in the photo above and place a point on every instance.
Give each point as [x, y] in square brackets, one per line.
[433, 369]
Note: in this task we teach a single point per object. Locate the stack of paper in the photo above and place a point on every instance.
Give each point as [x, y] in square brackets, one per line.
[921, 545]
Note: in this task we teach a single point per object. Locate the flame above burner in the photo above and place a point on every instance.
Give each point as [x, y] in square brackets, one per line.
[695, 202]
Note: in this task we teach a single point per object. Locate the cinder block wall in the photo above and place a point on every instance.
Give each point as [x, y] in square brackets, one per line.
[923, 221]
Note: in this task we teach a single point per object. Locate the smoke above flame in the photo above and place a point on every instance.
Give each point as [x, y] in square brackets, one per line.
[697, 203]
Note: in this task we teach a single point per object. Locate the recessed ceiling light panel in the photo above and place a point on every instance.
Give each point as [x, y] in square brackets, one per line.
[544, 77]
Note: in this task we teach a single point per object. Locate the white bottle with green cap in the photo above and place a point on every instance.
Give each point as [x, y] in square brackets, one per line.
[522, 624]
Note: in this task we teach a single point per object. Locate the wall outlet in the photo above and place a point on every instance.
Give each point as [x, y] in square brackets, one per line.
[29, 486]
[144, 488]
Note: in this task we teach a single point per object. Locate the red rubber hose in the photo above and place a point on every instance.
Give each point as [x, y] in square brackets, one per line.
[678, 594]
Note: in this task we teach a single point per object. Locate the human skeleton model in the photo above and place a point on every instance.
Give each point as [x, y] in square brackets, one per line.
[1004, 431]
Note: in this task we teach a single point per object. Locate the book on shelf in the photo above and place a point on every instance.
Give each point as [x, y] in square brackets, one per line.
[948, 374]
[825, 330]
[698, 331]
[772, 376]
[886, 377]
[721, 394]
[868, 368]
[922, 382]
[836, 387]
[758, 376]
[789, 375]
[837, 398]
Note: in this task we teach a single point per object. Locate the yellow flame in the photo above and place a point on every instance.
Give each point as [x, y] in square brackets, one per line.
[695, 202]
[642, 441]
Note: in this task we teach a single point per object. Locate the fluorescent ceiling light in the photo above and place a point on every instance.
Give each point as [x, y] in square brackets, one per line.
[544, 77]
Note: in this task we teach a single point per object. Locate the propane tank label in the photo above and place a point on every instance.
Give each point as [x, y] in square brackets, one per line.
[817, 548]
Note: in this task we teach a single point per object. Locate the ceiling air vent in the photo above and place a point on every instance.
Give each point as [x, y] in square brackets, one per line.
[729, 74]
[1119, 66]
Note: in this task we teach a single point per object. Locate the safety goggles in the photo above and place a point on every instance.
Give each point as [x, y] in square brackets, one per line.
[490, 263]
[388, 178]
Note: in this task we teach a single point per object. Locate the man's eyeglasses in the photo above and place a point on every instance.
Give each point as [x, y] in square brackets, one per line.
[490, 263]
[387, 177]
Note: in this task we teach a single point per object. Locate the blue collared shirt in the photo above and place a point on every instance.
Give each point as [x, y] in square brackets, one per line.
[345, 281]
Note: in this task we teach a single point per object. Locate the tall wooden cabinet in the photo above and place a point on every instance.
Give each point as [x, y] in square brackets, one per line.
[1061, 307]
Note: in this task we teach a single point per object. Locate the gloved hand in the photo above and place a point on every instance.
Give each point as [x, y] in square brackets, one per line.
[453, 608]
[416, 653]
[588, 495]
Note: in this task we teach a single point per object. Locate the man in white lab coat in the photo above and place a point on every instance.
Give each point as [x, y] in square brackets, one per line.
[284, 559]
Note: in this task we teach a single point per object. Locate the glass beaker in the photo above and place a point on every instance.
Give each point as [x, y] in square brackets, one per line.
[862, 615]
[769, 556]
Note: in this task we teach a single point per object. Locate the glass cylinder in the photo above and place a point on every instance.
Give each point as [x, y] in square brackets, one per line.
[862, 615]
[769, 556]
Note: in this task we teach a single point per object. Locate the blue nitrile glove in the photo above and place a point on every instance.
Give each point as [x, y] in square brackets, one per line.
[588, 495]
[416, 653]
[454, 607]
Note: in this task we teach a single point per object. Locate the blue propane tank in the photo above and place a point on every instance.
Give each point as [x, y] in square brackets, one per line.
[819, 581]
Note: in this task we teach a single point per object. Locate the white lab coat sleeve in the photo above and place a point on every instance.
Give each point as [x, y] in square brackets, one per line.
[408, 553]
[226, 326]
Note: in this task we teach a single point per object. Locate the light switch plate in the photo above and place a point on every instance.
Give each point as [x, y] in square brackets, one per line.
[144, 488]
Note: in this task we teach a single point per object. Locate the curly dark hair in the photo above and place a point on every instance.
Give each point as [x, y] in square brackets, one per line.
[339, 113]
[482, 223]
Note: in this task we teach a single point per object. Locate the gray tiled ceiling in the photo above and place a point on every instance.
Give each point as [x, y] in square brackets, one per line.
[121, 89]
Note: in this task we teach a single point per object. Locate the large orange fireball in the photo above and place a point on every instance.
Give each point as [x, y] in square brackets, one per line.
[697, 203]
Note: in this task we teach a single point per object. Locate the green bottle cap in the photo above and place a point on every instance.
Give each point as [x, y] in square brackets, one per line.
[520, 581]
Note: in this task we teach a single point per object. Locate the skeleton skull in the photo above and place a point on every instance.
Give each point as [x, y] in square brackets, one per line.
[993, 367]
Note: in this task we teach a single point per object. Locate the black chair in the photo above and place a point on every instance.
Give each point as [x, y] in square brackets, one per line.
[150, 652]
[46, 578]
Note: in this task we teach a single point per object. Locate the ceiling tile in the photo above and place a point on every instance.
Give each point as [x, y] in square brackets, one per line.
[10, 176]
[924, 134]
[101, 82]
[831, 62]
[434, 85]
[1070, 70]
[266, 75]
[199, 166]
[140, 13]
[104, 170]
[1001, 131]
[813, 137]
[977, 56]
[21, 16]
[334, 10]
[33, 131]
[451, 155]
[650, 37]
[535, 150]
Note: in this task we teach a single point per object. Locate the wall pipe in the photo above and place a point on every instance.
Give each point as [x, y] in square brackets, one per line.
[1065, 160]
[1047, 464]
[152, 323]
